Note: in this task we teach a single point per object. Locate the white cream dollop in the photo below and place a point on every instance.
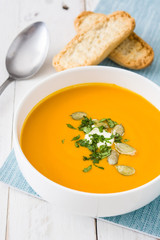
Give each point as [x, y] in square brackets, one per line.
[95, 130]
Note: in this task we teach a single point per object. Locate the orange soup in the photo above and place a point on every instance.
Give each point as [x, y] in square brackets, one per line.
[49, 145]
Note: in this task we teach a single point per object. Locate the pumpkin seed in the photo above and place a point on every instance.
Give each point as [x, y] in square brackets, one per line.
[125, 170]
[119, 129]
[78, 115]
[113, 158]
[124, 148]
[98, 124]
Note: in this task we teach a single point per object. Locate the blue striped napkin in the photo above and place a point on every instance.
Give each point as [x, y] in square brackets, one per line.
[146, 14]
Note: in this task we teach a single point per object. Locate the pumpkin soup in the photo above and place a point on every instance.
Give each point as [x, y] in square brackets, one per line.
[94, 137]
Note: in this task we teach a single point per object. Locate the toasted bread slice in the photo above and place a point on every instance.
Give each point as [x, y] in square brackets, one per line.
[86, 19]
[92, 46]
[133, 52]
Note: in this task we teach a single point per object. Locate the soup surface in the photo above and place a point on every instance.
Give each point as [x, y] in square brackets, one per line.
[46, 140]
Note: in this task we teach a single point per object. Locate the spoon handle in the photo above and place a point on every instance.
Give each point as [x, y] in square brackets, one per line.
[5, 84]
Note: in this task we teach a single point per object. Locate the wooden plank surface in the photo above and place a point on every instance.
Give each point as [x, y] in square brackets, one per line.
[22, 216]
[107, 231]
[33, 219]
[3, 210]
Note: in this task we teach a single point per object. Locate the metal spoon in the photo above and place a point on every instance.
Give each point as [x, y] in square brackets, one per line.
[27, 53]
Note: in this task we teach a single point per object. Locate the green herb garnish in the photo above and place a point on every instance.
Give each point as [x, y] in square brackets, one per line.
[70, 126]
[63, 141]
[111, 123]
[94, 159]
[98, 166]
[76, 145]
[103, 152]
[87, 169]
[85, 158]
[86, 125]
[87, 129]
[117, 138]
[101, 129]
[83, 142]
[75, 138]
[96, 153]
[103, 119]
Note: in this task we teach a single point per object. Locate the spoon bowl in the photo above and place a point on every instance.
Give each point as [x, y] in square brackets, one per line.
[27, 53]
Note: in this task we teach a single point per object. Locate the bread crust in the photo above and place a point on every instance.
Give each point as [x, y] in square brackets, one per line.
[92, 46]
[138, 56]
[79, 21]
[133, 52]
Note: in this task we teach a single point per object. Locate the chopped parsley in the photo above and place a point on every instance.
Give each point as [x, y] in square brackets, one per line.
[86, 125]
[83, 142]
[85, 158]
[103, 152]
[126, 140]
[101, 129]
[76, 145]
[87, 169]
[117, 138]
[96, 154]
[103, 119]
[63, 141]
[87, 129]
[111, 123]
[99, 167]
[76, 138]
[70, 126]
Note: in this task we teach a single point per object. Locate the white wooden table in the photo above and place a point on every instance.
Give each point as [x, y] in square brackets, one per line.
[23, 217]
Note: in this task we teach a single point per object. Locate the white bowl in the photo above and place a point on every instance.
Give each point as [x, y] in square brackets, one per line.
[90, 204]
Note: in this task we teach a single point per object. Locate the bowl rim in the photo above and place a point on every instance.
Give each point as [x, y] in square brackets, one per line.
[47, 180]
